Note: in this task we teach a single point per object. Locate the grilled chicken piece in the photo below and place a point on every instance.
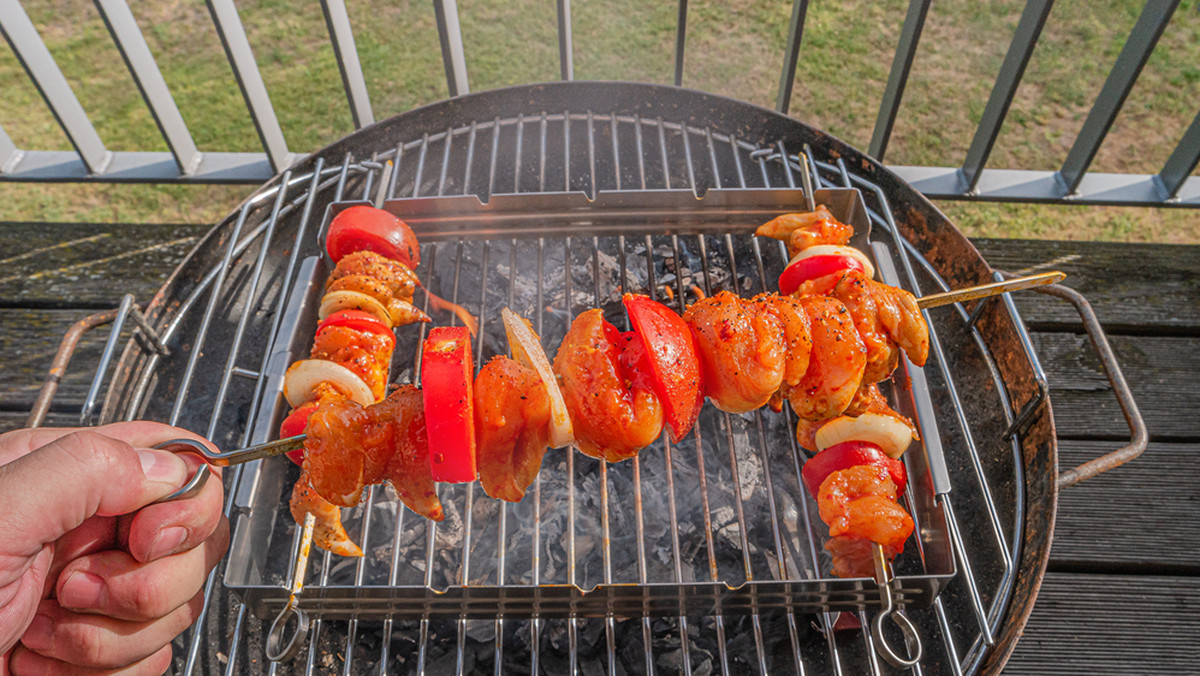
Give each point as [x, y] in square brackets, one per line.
[837, 363]
[742, 347]
[861, 502]
[852, 556]
[399, 281]
[401, 311]
[329, 533]
[613, 409]
[358, 351]
[800, 231]
[350, 447]
[512, 427]
[887, 318]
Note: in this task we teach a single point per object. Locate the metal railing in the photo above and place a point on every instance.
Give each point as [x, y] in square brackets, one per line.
[91, 161]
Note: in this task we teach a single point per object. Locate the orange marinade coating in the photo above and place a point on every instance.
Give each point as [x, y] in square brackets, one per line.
[742, 350]
[860, 501]
[397, 279]
[350, 447]
[614, 415]
[801, 231]
[512, 427]
[836, 367]
[366, 354]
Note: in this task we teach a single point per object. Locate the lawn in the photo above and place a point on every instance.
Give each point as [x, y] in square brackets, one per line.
[734, 48]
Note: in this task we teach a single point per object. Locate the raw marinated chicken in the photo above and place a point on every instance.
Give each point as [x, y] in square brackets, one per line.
[800, 231]
[868, 399]
[512, 427]
[614, 411]
[852, 556]
[742, 347]
[887, 318]
[837, 363]
[861, 502]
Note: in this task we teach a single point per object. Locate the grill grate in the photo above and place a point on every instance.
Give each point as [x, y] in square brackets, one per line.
[235, 308]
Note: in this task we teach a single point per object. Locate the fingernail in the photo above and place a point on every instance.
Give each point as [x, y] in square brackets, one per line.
[162, 466]
[39, 635]
[167, 542]
[82, 591]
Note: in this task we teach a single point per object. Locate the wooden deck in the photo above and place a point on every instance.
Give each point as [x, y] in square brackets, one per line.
[1123, 592]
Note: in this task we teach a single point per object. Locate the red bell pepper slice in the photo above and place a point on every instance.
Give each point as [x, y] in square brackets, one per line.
[365, 228]
[447, 370]
[671, 354]
[813, 267]
[851, 454]
[294, 424]
[360, 321]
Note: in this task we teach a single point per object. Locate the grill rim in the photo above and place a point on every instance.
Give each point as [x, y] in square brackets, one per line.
[918, 219]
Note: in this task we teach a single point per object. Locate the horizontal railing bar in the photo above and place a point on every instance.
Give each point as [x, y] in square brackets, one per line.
[1142, 39]
[341, 34]
[245, 68]
[566, 52]
[31, 51]
[1017, 185]
[146, 74]
[791, 55]
[906, 50]
[1025, 38]
[453, 56]
[137, 167]
[1182, 161]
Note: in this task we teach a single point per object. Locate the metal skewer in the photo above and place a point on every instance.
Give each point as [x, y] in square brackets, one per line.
[993, 289]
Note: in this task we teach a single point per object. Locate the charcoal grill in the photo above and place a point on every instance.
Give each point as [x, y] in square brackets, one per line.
[550, 199]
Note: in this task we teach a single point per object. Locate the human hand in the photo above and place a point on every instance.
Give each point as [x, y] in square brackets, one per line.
[94, 578]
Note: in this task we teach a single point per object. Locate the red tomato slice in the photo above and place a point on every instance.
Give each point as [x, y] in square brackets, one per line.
[360, 321]
[365, 228]
[670, 350]
[446, 373]
[851, 454]
[294, 424]
[813, 267]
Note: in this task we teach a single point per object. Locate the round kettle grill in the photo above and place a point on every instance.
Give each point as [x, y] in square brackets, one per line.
[539, 197]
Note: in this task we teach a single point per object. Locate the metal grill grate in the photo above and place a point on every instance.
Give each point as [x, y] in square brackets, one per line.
[223, 363]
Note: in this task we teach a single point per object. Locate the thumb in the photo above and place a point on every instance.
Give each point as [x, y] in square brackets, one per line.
[84, 474]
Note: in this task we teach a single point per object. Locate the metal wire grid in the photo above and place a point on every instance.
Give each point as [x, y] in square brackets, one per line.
[298, 195]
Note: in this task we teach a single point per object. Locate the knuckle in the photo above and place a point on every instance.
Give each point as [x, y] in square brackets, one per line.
[147, 600]
[96, 451]
[85, 645]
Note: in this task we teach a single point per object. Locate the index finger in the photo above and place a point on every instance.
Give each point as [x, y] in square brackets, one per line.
[137, 433]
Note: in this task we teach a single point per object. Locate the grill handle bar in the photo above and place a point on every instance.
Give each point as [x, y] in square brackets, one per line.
[1139, 436]
[66, 350]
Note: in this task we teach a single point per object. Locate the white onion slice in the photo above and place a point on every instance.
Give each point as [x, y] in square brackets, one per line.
[304, 376]
[527, 350]
[336, 301]
[891, 435]
[836, 250]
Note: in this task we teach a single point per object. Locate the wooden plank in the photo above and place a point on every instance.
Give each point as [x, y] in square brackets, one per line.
[1134, 288]
[87, 264]
[1139, 515]
[1111, 624]
[15, 420]
[1162, 372]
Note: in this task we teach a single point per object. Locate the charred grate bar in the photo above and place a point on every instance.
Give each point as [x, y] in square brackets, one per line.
[762, 525]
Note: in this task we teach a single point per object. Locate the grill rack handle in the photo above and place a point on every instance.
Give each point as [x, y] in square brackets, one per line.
[1139, 436]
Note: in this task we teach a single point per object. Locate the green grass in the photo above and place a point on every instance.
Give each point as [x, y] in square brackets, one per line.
[734, 48]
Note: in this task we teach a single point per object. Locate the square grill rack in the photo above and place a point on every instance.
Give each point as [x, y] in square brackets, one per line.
[665, 538]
